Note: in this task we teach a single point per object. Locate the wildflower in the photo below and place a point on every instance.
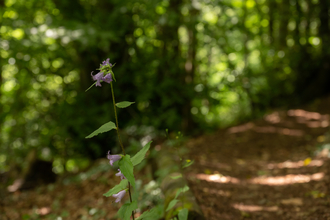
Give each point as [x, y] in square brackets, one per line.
[107, 78]
[113, 158]
[119, 195]
[98, 78]
[120, 174]
[105, 73]
[106, 62]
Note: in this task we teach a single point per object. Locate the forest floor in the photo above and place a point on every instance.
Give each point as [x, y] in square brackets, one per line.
[276, 167]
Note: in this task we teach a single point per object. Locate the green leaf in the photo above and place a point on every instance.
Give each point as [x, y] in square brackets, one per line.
[188, 163]
[124, 104]
[183, 214]
[90, 87]
[181, 190]
[125, 210]
[119, 187]
[126, 168]
[176, 177]
[152, 214]
[172, 204]
[139, 156]
[104, 128]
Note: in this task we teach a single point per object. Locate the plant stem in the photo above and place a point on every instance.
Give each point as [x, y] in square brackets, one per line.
[114, 107]
[120, 143]
[130, 196]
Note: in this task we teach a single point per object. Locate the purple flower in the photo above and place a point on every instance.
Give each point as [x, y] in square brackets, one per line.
[98, 77]
[113, 158]
[105, 74]
[107, 78]
[120, 174]
[106, 62]
[119, 195]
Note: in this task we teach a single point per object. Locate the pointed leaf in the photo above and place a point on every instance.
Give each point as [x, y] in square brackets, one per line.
[112, 74]
[181, 190]
[126, 168]
[119, 187]
[104, 128]
[153, 214]
[188, 163]
[90, 87]
[139, 156]
[124, 104]
[125, 210]
[172, 204]
[176, 177]
[183, 214]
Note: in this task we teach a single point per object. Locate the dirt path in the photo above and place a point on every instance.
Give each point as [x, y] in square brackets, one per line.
[265, 169]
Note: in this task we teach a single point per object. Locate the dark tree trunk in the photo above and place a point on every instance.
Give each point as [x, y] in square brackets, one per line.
[272, 7]
[190, 68]
[284, 20]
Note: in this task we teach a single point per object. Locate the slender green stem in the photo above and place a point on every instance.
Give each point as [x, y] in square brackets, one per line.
[130, 196]
[114, 107]
[120, 143]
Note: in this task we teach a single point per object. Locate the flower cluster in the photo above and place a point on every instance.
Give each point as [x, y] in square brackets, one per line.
[105, 74]
[112, 159]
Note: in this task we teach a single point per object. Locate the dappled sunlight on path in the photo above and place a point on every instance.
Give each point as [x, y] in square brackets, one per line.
[264, 180]
[271, 168]
[255, 208]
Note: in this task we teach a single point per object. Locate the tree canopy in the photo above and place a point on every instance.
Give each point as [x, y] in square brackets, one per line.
[187, 65]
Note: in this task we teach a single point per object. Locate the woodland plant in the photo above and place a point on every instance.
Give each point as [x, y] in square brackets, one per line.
[126, 162]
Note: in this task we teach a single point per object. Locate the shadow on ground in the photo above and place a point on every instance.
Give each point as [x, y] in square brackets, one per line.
[273, 168]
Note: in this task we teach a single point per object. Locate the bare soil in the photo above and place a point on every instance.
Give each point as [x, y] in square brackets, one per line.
[271, 168]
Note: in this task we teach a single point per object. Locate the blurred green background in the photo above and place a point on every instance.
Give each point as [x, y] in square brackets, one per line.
[190, 66]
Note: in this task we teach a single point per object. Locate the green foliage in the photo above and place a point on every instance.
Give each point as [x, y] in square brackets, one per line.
[104, 128]
[188, 163]
[126, 168]
[153, 214]
[176, 177]
[90, 87]
[139, 156]
[172, 204]
[121, 186]
[188, 66]
[183, 214]
[124, 104]
[175, 200]
[181, 190]
[125, 210]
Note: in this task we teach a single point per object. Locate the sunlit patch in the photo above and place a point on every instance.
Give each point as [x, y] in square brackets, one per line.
[305, 117]
[285, 131]
[43, 211]
[287, 179]
[263, 180]
[217, 178]
[302, 113]
[298, 164]
[292, 201]
[265, 129]
[255, 208]
[241, 128]
[215, 191]
[16, 185]
[273, 118]
[311, 119]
